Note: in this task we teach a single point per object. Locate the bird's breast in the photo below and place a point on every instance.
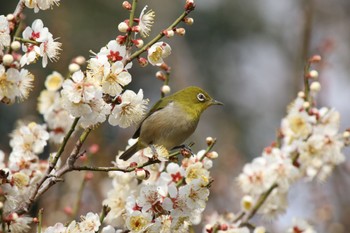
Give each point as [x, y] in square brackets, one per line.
[168, 127]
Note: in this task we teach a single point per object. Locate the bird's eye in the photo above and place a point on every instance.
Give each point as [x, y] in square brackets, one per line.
[201, 97]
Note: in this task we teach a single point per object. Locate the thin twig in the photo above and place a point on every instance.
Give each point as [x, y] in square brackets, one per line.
[157, 38]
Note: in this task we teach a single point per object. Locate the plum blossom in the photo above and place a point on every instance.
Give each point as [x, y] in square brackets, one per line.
[146, 21]
[157, 52]
[5, 38]
[43, 44]
[130, 111]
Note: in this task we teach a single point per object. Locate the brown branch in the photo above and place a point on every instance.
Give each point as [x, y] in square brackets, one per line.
[158, 37]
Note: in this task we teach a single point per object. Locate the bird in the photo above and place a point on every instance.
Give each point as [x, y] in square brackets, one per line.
[171, 120]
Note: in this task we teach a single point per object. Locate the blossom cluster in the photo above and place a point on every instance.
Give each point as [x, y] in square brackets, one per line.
[15, 81]
[22, 171]
[170, 198]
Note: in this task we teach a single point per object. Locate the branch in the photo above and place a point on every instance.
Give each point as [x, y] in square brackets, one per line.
[157, 38]
[258, 204]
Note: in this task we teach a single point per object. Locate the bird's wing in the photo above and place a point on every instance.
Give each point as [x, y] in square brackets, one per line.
[162, 103]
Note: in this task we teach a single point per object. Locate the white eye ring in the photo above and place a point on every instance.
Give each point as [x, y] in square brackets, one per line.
[201, 97]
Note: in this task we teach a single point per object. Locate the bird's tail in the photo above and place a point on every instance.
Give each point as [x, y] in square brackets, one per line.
[129, 152]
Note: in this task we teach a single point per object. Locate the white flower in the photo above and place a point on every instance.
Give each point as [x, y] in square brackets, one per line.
[138, 221]
[114, 52]
[130, 111]
[80, 89]
[8, 84]
[90, 223]
[196, 195]
[196, 171]
[300, 225]
[149, 198]
[157, 52]
[54, 81]
[108, 229]
[57, 228]
[57, 118]
[28, 141]
[256, 177]
[146, 21]
[99, 110]
[118, 77]
[21, 224]
[5, 38]
[76, 109]
[47, 48]
[99, 67]
[40, 4]
[25, 84]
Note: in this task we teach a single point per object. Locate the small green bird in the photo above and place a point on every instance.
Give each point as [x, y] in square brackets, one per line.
[171, 120]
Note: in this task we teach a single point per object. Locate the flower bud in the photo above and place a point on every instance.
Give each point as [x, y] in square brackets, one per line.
[68, 210]
[259, 230]
[180, 31]
[160, 75]
[189, 6]
[142, 61]
[135, 28]
[80, 60]
[121, 40]
[126, 5]
[16, 45]
[10, 17]
[1, 205]
[142, 174]
[306, 105]
[315, 58]
[212, 155]
[133, 164]
[315, 87]
[123, 27]
[209, 140]
[73, 67]
[88, 176]
[313, 74]
[246, 203]
[94, 148]
[301, 94]
[7, 59]
[346, 134]
[138, 43]
[188, 20]
[168, 33]
[165, 89]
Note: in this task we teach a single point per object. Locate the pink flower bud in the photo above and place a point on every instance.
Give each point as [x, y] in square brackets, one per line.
[121, 40]
[142, 61]
[126, 5]
[190, 5]
[315, 58]
[89, 176]
[135, 28]
[94, 148]
[68, 210]
[138, 43]
[180, 31]
[188, 20]
[160, 75]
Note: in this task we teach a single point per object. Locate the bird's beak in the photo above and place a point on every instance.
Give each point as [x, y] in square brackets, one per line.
[215, 102]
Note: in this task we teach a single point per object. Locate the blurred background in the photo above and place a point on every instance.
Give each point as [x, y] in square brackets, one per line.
[247, 54]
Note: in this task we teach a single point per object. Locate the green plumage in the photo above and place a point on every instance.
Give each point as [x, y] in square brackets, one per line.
[171, 120]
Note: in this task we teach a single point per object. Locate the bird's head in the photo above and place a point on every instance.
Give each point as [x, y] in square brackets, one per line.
[195, 99]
